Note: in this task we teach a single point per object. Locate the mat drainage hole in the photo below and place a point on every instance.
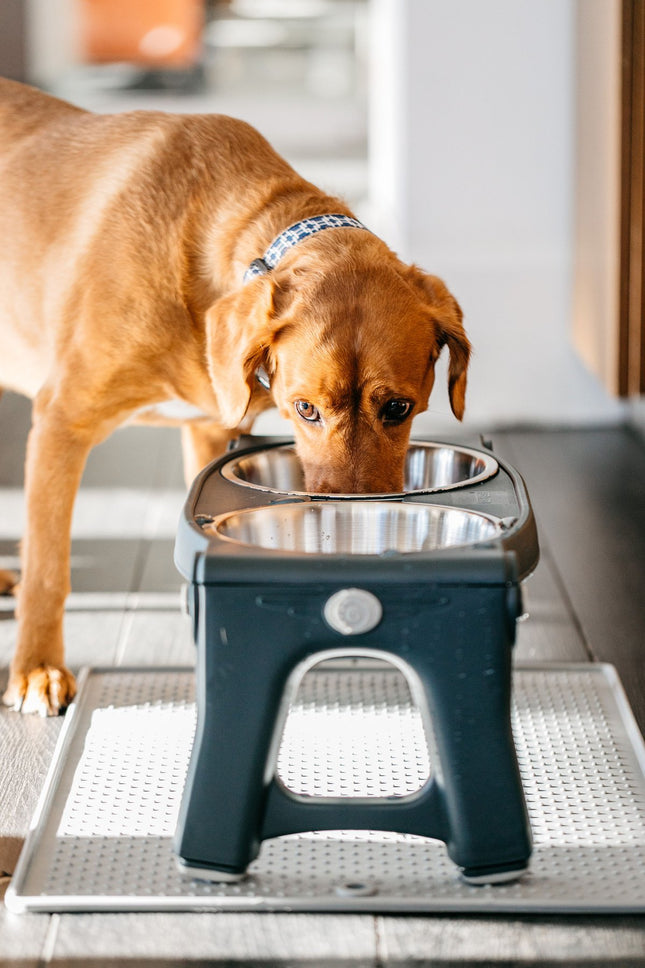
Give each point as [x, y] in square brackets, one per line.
[355, 889]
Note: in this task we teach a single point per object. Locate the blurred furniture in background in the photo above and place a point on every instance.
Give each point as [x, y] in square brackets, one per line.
[156, 33]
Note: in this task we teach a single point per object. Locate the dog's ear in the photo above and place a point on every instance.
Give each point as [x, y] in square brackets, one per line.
[448, 319]
[239, 331]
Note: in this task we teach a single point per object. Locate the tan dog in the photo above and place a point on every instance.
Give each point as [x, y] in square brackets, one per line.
[124, 244]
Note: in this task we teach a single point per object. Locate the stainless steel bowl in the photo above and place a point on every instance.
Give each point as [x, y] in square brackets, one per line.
[355, 528]
[429, 468]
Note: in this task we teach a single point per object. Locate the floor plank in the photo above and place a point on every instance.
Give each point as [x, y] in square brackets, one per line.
[444, 942]
[253, 940]
[549, 633]
[162, 638]
[15, 419]
[23, 937]
[27, 745]
[588, 495]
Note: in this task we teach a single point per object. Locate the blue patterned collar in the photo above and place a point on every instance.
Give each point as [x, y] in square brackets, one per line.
[294, 234]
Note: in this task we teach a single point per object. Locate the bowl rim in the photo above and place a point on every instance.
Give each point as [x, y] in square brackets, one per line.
[212, 527]
[489, 470]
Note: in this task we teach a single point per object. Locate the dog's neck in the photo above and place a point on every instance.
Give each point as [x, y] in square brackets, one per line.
[294, 234]
[289, 237]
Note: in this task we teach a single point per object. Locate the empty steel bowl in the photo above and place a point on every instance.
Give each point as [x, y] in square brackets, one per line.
[355, 528]
[429, 468]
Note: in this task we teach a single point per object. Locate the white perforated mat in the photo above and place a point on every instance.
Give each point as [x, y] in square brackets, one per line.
[101, 838]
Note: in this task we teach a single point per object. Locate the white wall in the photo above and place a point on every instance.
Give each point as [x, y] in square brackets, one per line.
[52, 40]
[471, 176]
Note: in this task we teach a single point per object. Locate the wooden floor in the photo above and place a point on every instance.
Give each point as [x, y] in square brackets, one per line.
[586, 601]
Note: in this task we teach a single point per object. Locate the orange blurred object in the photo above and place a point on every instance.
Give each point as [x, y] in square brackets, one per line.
[164, 33]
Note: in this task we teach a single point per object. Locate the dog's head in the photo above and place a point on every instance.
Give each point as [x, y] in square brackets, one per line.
[350, 347]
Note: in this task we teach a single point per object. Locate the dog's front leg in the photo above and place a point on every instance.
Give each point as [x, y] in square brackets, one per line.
[202, 443]
[56, 453]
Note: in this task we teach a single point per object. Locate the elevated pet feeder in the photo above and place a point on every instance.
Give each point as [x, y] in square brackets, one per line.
[427, 580]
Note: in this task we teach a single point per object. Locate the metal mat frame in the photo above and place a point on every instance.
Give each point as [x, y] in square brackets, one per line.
[101, 835]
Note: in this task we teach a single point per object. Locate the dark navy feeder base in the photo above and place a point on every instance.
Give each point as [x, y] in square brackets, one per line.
[451, 634]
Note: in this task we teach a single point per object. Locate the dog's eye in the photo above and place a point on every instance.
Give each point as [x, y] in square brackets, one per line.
[307, 411]
[395, 411]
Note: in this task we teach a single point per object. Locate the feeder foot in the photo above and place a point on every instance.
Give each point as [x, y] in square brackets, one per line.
[209, 873]
[479, 878]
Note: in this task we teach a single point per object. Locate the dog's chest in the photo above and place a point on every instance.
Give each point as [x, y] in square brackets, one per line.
[174, 411]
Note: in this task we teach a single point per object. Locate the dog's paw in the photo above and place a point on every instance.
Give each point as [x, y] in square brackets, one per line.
[8, 582]
[47, 690]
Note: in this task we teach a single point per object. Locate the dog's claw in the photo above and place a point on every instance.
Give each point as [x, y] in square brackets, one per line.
[15, 705]
[46, 691]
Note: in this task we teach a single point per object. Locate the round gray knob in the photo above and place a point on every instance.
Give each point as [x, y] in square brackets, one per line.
[352, 611]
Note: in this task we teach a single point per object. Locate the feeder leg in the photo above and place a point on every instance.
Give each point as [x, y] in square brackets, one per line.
[239, 695]
[468, 687]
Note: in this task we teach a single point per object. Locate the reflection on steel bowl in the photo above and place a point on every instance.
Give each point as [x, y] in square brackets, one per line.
[355, 528]
[429, 468]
